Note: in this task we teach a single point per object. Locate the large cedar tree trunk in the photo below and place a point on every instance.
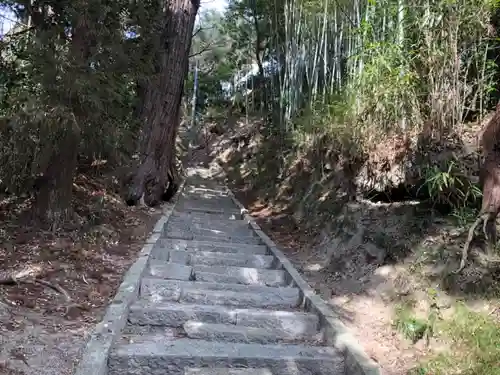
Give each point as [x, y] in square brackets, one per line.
[155, 178]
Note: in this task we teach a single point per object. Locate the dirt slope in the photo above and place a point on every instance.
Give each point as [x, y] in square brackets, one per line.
[387, 267]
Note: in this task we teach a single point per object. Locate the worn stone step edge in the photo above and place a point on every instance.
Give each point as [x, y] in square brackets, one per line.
[271, 277]
[233, 217]
[94, 358]
[215, 192]
[208, 210]
[337, 334]
[213, 277]
[213, 258]
[207, 195]
[244, 275]
[248, 236]
[213, 203]
[203, 223]
[233, 298]
[176, 314]
[232, 260]
[196, 245]
[289, 300]
[276, 298]
[220, 227]
[171, 271]
[174, 271]
[206, 219]
[228, 371]
[246, 334]
[192, 219]
[199, 216]
[153, 355]
[202, 235]
[207, 200]
[153, 283]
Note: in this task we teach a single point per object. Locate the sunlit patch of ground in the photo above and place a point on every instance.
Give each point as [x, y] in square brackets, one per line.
[404, 323]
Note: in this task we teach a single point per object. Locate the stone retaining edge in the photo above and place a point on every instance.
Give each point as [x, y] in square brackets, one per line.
[337, 334]
[94, 360]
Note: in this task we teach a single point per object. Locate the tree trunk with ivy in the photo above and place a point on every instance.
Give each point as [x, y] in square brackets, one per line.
[156, 178]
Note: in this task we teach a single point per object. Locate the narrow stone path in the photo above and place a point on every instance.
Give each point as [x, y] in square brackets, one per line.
[215, 300]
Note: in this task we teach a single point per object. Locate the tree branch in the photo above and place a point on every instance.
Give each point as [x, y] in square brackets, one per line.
[197, 31]
[204, 49]
[200, 29]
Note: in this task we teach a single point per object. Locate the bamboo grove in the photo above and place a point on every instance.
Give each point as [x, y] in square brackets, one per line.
[377, 66]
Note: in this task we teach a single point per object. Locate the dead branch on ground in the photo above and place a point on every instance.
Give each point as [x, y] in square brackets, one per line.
[27, 277]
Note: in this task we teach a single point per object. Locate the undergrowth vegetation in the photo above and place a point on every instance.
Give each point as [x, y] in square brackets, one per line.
[472, 338]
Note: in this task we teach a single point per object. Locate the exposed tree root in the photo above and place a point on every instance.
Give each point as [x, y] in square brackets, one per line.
[151, 183]
[491, 238]
[25, 277]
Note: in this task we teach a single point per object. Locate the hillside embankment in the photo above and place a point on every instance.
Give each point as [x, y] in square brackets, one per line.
[378, 235]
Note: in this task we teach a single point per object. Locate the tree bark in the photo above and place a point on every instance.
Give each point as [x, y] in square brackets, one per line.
[262, 84]
[53, 196]
[258, 39]
[156, 177]
[54, 188]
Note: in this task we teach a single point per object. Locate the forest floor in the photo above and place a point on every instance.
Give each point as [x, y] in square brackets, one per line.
[78, 270]
[408, 308]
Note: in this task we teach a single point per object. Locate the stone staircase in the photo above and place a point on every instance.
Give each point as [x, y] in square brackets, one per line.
[212, 295]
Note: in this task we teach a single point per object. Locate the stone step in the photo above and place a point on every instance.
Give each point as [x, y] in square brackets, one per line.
[200, 223]
[206, 198]
[155, 355]
[244, 334]
[196, 191]
[223, 205]
[201, 201]
[231, 260]
[197, 216]
[185, 233]
[155, 285]
[170, 271]
[212, 210]
[240, 275]
[214, 224]
[190, 221]
[220, 191]
[213, 246]
[176, 314]
[228, 371]
[240, 299]
[156, 290]
[212, 258]
[193, 183]
[183, 230]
